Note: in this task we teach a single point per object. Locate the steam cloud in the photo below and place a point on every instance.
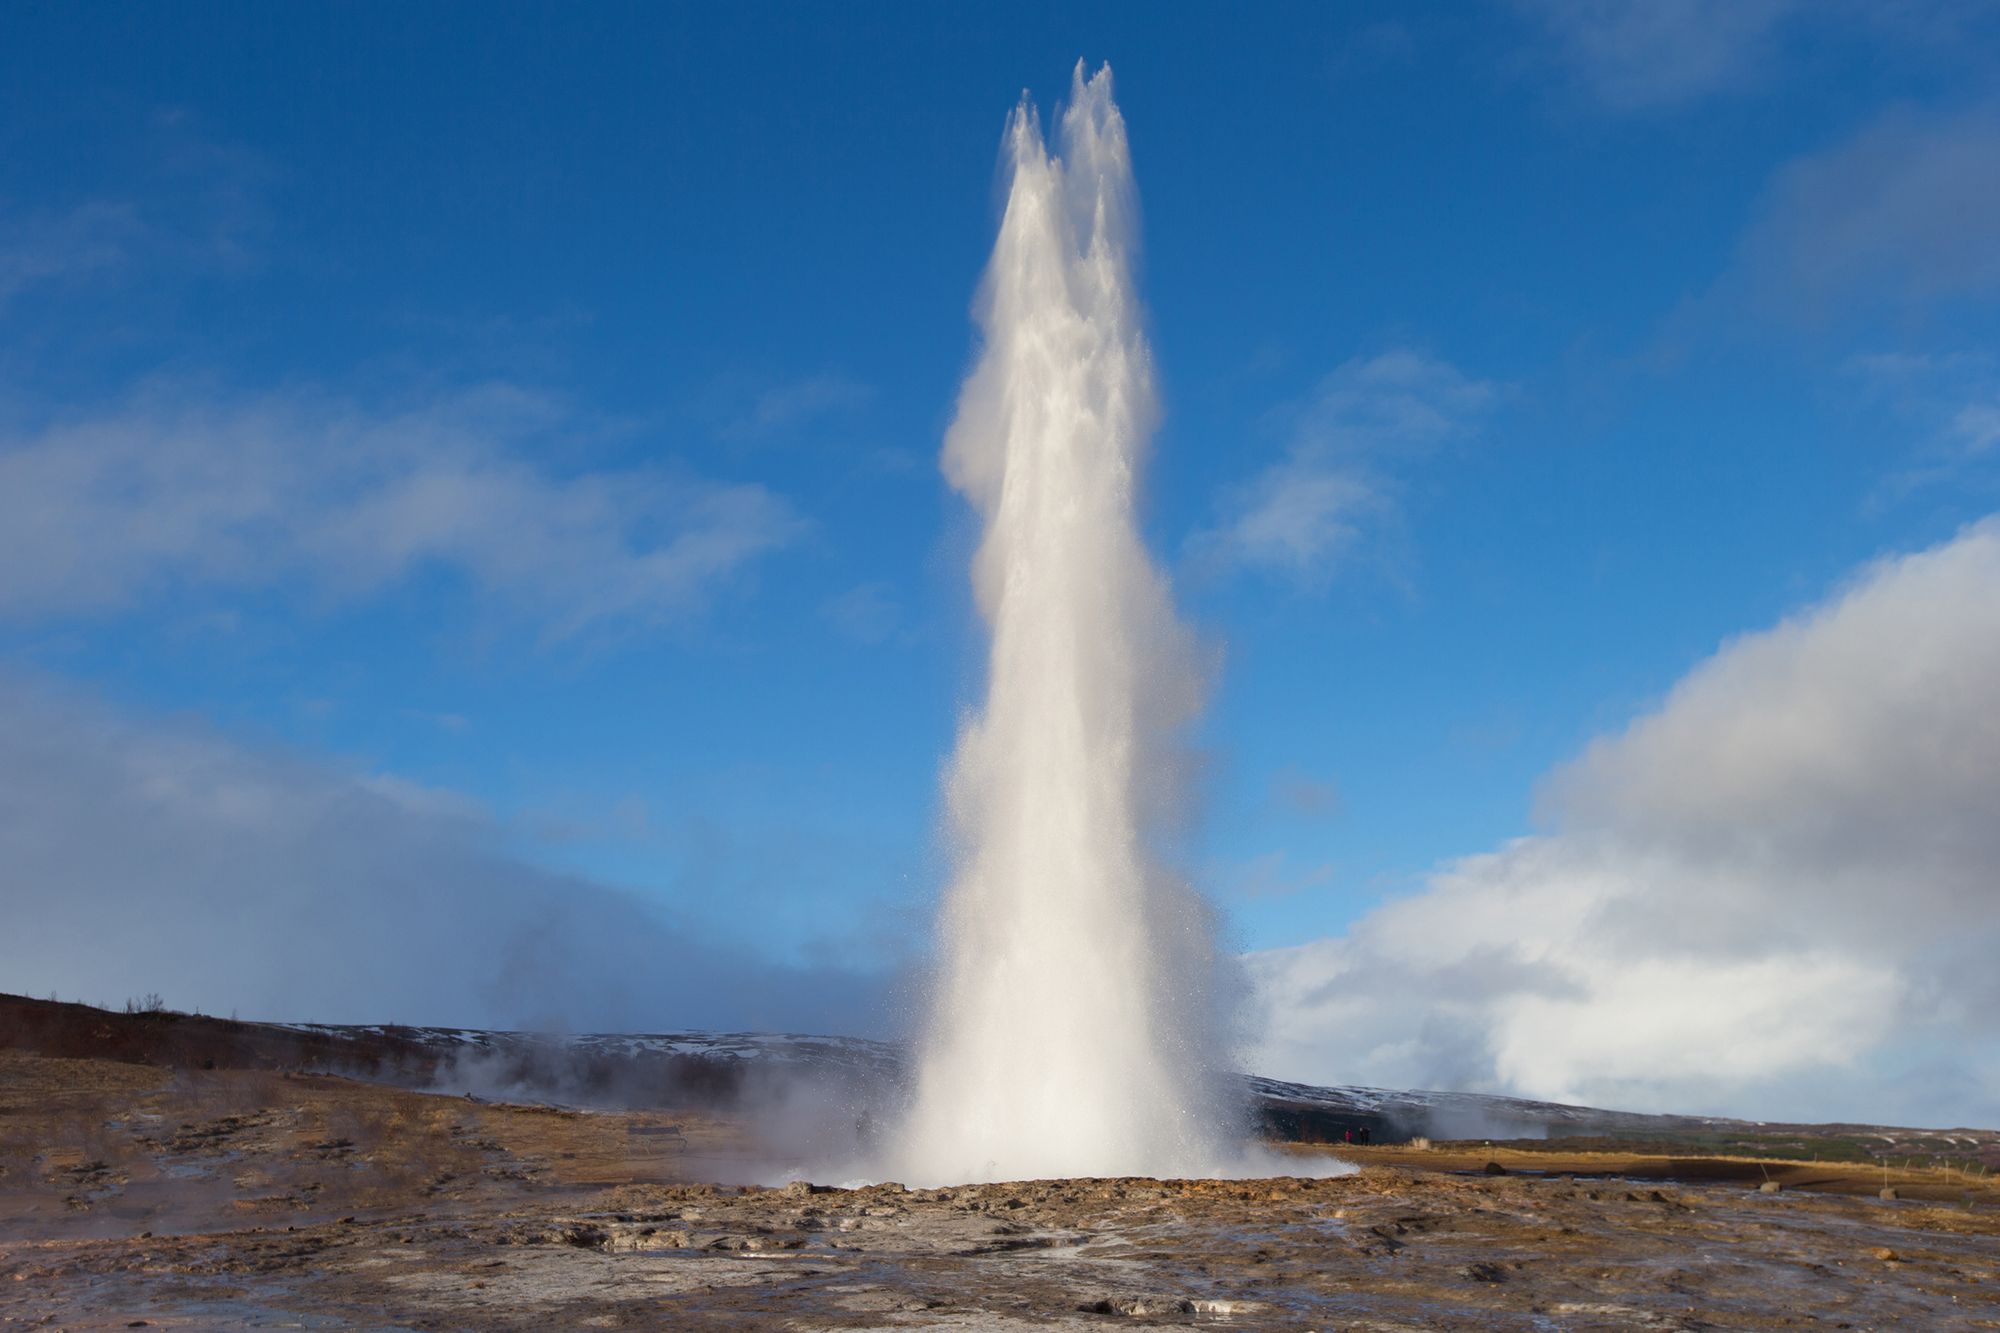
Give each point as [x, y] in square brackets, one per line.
[141, 858]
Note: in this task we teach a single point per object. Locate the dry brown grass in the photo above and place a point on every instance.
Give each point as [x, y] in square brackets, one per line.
[1934, 1184]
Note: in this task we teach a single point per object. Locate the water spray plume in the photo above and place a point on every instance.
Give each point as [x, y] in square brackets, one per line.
[1075, 1024]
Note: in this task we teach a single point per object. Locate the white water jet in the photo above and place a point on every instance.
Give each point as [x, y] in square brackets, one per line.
[1075, 1022]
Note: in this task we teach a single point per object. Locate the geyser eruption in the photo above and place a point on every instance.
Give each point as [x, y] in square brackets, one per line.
[1074, 1029]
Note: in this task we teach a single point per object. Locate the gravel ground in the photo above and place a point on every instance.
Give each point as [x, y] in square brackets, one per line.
[261, 1200]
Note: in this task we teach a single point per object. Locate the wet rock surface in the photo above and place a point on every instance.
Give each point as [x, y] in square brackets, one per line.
[240, 1201]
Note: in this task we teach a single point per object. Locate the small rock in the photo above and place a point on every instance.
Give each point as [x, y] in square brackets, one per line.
[1494, 1169]
[1484, 1272]
[1141, 1307]
[1885, 1254]
[1159, 1305]
[582, 1235]
[1888, 1192]
[1769, 1187]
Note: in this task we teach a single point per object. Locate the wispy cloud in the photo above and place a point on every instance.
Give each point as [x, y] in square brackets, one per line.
[866, 613]
[793, 404]
[88, 239]
[1666, 55]
[455, 723]
[1977, 426]
[1296, 793]
[1902, 215]
[1302, 516]
[1775, 891]
[1663, 53]
[1272, 876]
[1950, 402]
[194, 206]
[173, 490]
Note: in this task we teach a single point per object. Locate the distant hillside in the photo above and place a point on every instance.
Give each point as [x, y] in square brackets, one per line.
[666, 1069]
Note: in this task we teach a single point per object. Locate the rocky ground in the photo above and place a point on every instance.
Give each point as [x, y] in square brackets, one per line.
[135, 1196]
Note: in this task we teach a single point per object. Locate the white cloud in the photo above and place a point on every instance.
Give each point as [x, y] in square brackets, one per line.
[97, 512]
[1305, 513]
[139, 857]
[1772, 895]
[1903, 214]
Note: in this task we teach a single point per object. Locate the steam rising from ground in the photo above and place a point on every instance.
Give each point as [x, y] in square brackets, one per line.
[1075, 1028]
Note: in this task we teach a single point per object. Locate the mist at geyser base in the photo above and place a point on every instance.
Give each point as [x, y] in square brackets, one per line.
[1076, 1025]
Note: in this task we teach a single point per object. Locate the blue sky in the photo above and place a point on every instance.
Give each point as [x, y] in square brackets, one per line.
[533, 411]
